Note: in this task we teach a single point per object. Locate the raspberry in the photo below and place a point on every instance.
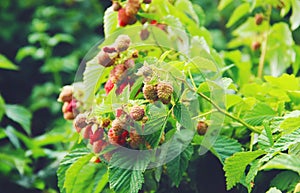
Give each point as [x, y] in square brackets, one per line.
[135, 54]
[164, 92]
[109, 85]
[132, 7]
[259, 18]
[137, 113]
[145, 71]
[144, 34]
[87, 132]
[64, 107]
[124, 19]
[116, 139]
[104, 59]
[105, 122]
[255, 45]
[117, 72]
[150, 92]
[95, 159]
[119, 112]
[80, 122]
[121, 87]
[129, 63]
[71, 106]
[153, 22]
[118, 125]
[116, 6]
[69, 116]
[122, 43]
[109, 49]
[147, 1]
[97, 146]
[66, 94]
[135, 139]
[202, 128]
[97, 135]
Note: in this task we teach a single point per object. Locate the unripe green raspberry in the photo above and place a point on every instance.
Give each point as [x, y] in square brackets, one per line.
[164, 92]
[132, 7]
[150, 92]
[137, 113]
[116, 6]
[122, 43]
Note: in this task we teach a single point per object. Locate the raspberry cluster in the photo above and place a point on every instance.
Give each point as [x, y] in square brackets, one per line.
[127, 15]
[162, 91]
[70, 104]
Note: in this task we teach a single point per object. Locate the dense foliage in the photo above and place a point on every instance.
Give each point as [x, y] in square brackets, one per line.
[181, 96]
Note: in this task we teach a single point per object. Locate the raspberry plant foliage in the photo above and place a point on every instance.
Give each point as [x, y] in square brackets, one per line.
[155, 95]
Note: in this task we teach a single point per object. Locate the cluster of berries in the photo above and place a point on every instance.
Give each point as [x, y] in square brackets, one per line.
[70, 105]
[109, 56]
[127, 14]
[162, 91]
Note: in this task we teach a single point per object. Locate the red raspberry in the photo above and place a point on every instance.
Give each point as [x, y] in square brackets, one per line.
[66, 94]
[109, 49]
[202, 128]
[153, 22]
[129, 63]
[117, 72]
[124, 19]
[71, 106]
[95, 159]
[120, 88]
[105, 122]
[97, 135]
[108, 86]
[137, 113]
[119, 112]
[98, 146]
[147, 1]
[164, 92]
[122, 138]
[87, 132]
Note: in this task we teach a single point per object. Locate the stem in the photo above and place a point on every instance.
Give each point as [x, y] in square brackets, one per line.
[219, 109]
[264, 44]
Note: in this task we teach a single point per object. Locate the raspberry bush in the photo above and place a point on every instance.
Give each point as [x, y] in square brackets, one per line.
[155, 97]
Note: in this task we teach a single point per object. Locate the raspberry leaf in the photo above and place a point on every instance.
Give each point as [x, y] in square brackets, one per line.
[179, 164]
[235, 166]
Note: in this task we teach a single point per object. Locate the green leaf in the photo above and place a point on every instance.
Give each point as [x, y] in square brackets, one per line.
[273, 190]
[225, 147]
[285, 82]
[284, 142]
[126, 170]
[182, 114]
[232, 99]
[187, 7]
[259, 113]
[91, 77]
[235, 166]
[238, 13]
[295, 17]
[254, 168]
[25, 51]
[285, 180]
[223, 4]
[291, 122]
[68, 160]
[283, 162]
[179, 164]
[76, 172]
[2, 107]
[110, 22]
[20, 115]
[12, 137]
[7, 64]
